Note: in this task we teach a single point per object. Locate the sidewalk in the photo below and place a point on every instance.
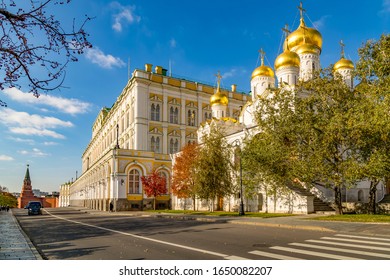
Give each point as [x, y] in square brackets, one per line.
[14, 244]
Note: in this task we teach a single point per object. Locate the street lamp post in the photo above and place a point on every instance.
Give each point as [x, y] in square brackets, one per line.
[236, 144]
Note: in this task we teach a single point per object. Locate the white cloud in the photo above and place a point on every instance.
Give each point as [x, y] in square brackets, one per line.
[385, 7]
[125, 15]
[70, 106]
[230, 73]
[36, 132]
[321, 22]
[5, 158]
[22, 140]
[107, 61]
[172, 43]
[27, 124]
[34, 153]
[24, 119]
[48, 143]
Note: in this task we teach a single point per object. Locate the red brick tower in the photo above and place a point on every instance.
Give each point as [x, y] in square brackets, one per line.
[27, 193]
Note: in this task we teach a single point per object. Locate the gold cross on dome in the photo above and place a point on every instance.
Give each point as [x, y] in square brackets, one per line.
[219, 77]
[262, 55]
[301, 9]
[342, 48]
[286, 30]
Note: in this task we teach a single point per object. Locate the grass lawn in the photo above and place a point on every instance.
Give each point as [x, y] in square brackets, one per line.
[364, 218]
[222, 213]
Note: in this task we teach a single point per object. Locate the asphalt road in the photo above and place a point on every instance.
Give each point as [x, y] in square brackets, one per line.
[69, 234]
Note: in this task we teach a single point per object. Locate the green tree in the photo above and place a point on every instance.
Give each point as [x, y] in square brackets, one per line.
[213, 178]
[324, 133]
[266, 165]
[8, 199]
[371, 117]
[306, 135]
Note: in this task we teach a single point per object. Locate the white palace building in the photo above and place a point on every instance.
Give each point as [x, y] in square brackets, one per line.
[156, 115]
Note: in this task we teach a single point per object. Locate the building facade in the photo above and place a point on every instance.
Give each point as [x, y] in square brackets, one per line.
[298, 62]
[153, 117]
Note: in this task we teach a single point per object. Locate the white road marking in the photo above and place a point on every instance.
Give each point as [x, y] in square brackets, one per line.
[151, 239]
[365, 253]
[236, 258]
[355, 241]
[274, 256]
[312, 253]
[364, 237]
[350, 245]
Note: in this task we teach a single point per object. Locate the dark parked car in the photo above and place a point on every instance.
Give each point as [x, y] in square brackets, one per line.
[34, 208]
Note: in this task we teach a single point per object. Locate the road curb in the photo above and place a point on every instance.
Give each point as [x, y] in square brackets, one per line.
[276, 225]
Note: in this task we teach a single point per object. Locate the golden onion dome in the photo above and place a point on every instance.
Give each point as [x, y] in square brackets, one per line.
[307, 48]
[287, 58]
[343, 63]
[219, 98]
[263, 71]
[303, 35]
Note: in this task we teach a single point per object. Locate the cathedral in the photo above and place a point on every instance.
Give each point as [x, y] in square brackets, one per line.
[298, 62]
[157, 114]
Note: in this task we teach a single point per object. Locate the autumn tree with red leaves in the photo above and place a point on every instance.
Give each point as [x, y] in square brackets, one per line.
[154, 185]
[183, 181]
[35, 47]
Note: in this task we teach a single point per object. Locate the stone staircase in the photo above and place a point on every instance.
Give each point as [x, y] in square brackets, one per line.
[319, 205]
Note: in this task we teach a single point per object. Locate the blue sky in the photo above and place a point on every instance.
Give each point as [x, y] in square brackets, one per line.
[198, 38]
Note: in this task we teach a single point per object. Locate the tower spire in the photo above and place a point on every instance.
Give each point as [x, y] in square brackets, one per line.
[27, 176]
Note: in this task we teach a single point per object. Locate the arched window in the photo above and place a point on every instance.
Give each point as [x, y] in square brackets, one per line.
[158, 112]
[191, 118]
[134, 182]
[171, 115]
[155, 112]
[360, 196]
[171, 146]
[176, 146]
[176, 118]
[205, 116]
[152, 112]
[210, 115]
[153, 144]
[157, 150]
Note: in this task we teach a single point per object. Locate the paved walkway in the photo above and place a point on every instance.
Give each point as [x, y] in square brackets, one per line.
[14, 244]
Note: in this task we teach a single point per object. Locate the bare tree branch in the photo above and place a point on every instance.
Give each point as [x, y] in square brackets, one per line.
[23, 60]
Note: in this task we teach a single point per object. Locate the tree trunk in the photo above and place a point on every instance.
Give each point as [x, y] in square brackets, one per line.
[194, 202]
[337, 200]
[371, 199]
[154, 203]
